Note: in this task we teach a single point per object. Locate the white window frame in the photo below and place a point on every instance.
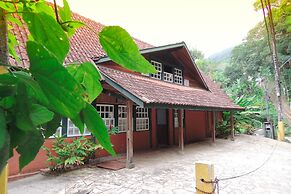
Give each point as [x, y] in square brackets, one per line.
[76, 130]
[168, 77]
[178, 76]
[107, 116]
[159, 68]
[122, 118]
[142, 119]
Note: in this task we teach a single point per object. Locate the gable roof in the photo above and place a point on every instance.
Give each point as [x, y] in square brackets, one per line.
[180, 52]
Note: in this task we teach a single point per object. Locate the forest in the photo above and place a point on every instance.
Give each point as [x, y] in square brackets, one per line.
[246, 72]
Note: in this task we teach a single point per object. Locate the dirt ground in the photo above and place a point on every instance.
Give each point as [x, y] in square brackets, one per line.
[169, 171]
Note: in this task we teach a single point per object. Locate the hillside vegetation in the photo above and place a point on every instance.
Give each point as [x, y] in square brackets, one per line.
[246, 71]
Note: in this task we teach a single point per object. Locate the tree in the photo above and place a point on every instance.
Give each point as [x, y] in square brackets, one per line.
[33, 100]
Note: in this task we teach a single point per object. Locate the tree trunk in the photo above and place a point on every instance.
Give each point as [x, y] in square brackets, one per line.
[281, 131]
[4, 54]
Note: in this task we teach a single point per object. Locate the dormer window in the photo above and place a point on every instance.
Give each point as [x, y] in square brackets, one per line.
[158, 67]
[178, 76]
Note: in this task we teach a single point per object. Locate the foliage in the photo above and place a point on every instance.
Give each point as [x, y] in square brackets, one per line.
[250, 71]
[65, 154]
[33, 100]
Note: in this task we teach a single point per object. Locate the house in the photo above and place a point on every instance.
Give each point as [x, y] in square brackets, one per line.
[175, 106]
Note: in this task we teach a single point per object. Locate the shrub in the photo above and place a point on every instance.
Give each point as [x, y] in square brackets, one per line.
[65, 154]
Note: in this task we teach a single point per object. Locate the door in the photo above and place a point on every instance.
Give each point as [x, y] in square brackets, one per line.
[162, 127]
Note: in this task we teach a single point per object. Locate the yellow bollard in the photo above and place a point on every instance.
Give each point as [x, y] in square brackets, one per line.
[205, 171]
[281, 131]
[3, 180]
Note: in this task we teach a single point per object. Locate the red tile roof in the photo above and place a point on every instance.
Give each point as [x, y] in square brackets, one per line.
[84, 45]
[153, 92]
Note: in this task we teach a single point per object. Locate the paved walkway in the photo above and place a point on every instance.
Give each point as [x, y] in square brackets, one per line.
[168, 171]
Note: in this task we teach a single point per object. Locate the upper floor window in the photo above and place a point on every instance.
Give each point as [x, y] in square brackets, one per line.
[178, 76]
[107, 114]
[142, 119]
[122, 118]
[158, 67]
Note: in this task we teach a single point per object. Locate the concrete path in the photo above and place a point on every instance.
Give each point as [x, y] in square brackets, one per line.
[168, 171]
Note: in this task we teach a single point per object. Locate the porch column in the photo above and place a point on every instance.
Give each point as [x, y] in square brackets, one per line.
[129, 135]
[214, 127]
[232, 125]
[181, 130]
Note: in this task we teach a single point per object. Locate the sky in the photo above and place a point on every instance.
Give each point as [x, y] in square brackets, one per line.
[207, 25]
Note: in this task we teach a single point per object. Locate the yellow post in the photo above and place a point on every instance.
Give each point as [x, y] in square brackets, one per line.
[3, 180]
[281, 131]
[205, 171]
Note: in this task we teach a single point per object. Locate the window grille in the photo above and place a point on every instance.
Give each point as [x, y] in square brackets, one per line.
[158, 67]
[107, 114]
[168, 77]
[142, 119]
[122, 118]
[73, 130]
[178, 77]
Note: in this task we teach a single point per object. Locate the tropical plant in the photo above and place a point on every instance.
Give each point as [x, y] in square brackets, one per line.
[65, 154]
[33, 100]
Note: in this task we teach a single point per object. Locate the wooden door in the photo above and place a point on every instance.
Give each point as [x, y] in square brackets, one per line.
[162, 127]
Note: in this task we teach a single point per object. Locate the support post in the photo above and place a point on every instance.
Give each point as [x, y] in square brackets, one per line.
[181, 130]
[214, 127]
[204, 171]
[3, 180]
[129, 136]
[232, 125]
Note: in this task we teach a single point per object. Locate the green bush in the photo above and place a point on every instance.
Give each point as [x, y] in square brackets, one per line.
[64, 154]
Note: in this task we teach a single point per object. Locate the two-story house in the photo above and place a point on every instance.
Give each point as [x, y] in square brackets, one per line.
[176, 106]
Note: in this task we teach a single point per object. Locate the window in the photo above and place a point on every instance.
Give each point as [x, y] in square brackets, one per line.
[107, 114]
[168, 77]
[158, 67]
[142, 119]
[178, 77]
[122, 118]
[73, 130]
[58, 132]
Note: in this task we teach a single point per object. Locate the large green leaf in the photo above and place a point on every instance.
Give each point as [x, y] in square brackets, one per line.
[88, 76]
[7, 6]
[65, 12]
[51, 127]
[29, 148]
[64, 93]
[78, 122]
[33, 86]
[46, 31]
[97, 127]
[40, 114]
[23, 107]
[120, 47]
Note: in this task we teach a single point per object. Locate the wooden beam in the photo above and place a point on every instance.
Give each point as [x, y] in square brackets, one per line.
[129, 135]
[232, 125]
[181, 132]
[214, 127]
